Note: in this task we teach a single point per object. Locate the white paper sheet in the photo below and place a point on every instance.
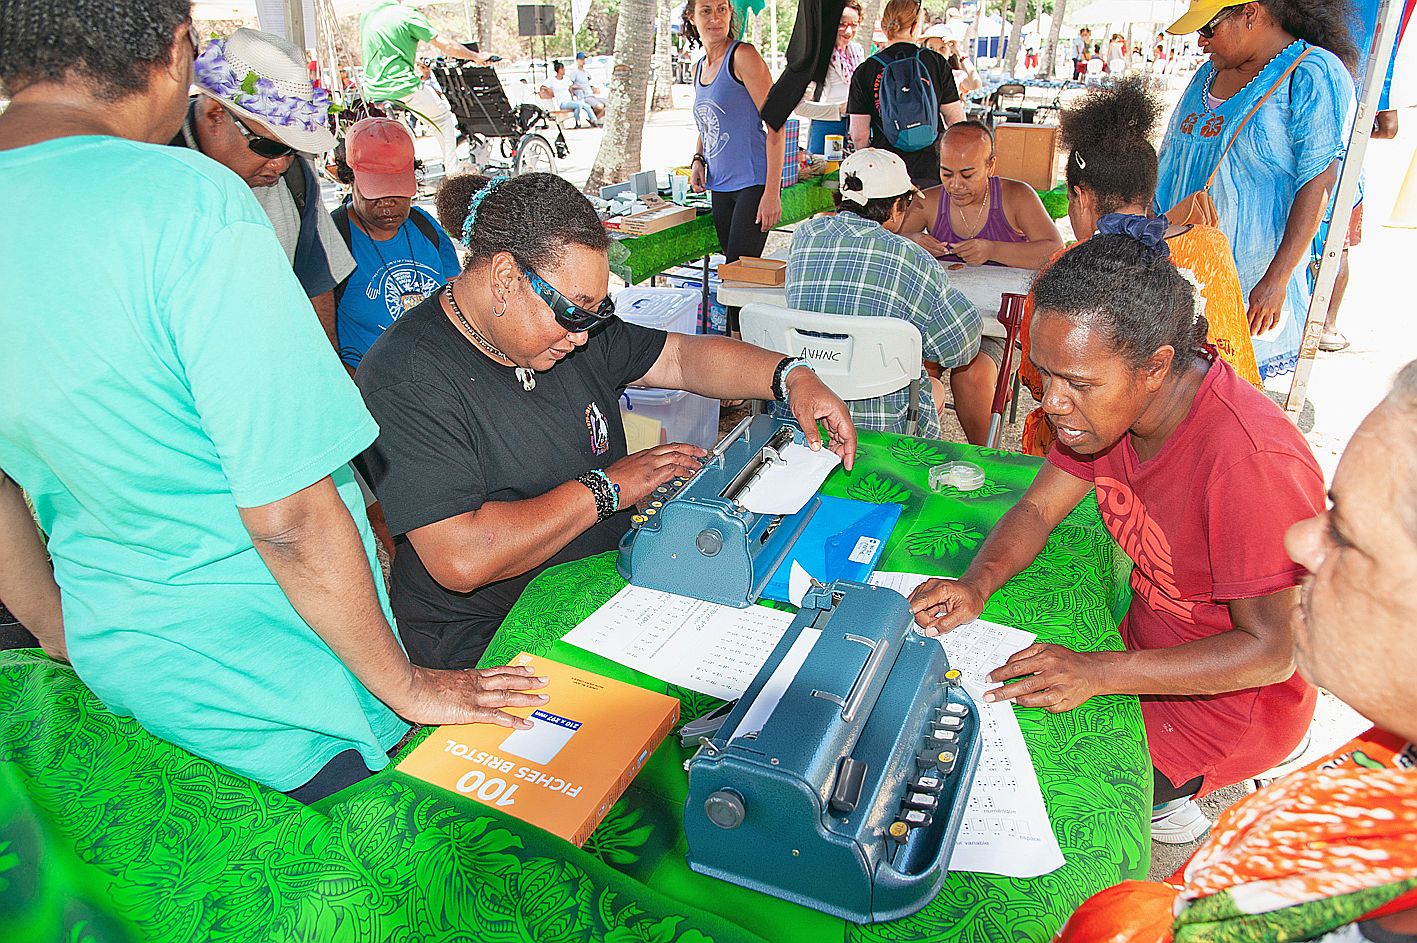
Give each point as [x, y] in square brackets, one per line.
[699, 645]
[778, 683]
[1006, 828]
[785, 486]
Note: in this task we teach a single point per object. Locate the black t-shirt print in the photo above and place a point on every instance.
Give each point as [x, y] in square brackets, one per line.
[457, 429]
[922, 165]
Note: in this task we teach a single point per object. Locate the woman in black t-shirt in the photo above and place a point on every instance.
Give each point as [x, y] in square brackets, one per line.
[899, 21]
[500, 448]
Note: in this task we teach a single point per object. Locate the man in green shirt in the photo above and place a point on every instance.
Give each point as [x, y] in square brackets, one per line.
[389, 34]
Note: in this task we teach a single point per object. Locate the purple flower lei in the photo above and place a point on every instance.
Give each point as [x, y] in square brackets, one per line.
[259, 95]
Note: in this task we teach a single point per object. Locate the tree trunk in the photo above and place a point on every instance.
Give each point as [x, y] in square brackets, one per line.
[870, 13]
[620, 146]
[663, 67]
[1049, 52]
[1015, 35]
[486, 16]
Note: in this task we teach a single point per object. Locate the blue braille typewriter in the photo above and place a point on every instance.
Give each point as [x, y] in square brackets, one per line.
[694, 537]
[839, 779]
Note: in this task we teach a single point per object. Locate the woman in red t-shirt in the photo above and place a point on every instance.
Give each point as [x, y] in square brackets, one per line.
[1198, 475]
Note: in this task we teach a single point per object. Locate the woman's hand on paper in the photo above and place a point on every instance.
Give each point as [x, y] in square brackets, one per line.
[471, 695]
[1049, 676]
[941, 605]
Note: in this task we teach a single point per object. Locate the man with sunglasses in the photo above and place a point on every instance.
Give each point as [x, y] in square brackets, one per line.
[261, 137]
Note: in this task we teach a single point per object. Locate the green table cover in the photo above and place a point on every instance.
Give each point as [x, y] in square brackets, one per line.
[682, 244]
[643, 257]
[185, 850]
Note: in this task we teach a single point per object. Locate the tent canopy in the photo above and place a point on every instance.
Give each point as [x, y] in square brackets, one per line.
[1104, 12]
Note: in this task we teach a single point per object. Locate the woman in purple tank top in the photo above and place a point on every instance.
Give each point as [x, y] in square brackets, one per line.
[977, 218]
[736, 158]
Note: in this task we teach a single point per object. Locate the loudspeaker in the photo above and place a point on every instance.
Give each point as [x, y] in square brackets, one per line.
[536, 19]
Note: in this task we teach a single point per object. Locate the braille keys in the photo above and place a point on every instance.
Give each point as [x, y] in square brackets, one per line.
[927, 783]
[920, 801]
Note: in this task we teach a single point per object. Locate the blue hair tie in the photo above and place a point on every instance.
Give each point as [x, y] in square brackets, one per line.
[1150, 231]
[474, 203]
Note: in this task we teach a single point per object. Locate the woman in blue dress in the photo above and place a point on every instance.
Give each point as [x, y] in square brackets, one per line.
[1275, 185]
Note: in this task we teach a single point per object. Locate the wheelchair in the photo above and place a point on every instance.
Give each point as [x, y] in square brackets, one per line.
[529, 140]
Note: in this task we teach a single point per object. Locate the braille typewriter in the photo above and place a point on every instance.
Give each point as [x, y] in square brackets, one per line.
[695, 538]
[839, 779]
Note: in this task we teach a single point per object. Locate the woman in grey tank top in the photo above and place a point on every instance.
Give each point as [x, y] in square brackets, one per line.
[735, 158]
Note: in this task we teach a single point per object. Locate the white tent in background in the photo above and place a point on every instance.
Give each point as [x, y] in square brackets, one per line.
[1104, 12]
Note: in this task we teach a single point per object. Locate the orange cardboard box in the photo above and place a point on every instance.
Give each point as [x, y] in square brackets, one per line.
[564, 774]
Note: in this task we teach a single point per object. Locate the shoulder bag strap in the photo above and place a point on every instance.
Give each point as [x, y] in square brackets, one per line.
[1259, 104]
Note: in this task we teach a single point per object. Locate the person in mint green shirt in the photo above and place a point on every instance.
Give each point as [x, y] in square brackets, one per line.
[389, 34]
[183, 430]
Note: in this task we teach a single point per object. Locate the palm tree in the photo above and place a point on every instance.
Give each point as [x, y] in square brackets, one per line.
[663, 68]
[619, 154]
[1016, 34]
[1049, 53]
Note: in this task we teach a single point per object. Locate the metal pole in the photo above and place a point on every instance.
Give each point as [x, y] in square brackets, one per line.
[772, 7]
[1389, 18]
[295, 23]
[467, 12]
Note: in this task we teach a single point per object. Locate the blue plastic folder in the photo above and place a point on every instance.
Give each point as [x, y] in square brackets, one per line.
[842, 541]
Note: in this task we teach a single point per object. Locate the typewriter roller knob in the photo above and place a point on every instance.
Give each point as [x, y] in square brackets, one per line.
[709, 542]
[724, 808]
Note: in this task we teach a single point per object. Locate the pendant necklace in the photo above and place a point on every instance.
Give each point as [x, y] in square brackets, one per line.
[526, 375]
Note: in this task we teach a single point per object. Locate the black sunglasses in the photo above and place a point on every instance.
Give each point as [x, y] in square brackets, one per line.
[1208, 30]
[568, 314]
[269, 148]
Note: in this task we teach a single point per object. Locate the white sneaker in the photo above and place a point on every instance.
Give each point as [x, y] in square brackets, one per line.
[1178, 823]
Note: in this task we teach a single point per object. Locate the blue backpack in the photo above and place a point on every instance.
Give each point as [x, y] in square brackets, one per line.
[907, 103]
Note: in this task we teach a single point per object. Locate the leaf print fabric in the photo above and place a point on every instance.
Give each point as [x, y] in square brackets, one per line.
[189, 851]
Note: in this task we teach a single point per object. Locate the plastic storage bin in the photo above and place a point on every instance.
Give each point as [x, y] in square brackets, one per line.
[668, 309]
[682, 416]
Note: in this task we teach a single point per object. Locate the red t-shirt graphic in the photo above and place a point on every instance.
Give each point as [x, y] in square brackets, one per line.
[1204, 521]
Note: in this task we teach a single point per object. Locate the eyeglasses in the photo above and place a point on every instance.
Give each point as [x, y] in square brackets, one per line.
[268, 148]
[1208, 30]
[568, 314]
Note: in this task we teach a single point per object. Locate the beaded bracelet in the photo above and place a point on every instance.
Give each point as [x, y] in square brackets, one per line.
[779, 376]
[606, 500]
[614, 488]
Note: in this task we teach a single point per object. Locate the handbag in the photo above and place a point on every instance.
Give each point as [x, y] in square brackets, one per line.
[1198, 209]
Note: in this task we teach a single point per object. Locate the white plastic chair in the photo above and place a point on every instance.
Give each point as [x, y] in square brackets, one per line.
[856, 357]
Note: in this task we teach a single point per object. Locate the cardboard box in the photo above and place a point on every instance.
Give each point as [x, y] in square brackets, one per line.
[1028, 152]
[652, 220]
[563, 775]
[770, 272]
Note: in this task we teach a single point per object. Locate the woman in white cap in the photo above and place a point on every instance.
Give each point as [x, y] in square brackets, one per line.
[260, 128]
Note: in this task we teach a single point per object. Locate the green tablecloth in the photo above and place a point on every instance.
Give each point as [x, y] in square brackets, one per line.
[679, 245]
[186, 850]
[1092, 762]
[682, 244]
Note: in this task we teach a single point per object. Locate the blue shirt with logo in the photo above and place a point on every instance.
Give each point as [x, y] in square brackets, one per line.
[389, 278]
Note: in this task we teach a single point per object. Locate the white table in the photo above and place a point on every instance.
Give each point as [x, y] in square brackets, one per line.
[984, 285]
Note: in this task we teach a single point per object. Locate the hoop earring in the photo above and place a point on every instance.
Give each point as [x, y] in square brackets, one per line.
[495, 312]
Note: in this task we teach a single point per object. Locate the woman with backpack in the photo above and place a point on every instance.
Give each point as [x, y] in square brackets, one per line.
[736, 158]
[904, 97]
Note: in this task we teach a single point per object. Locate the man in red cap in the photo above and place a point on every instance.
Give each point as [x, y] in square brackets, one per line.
[401, 254]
